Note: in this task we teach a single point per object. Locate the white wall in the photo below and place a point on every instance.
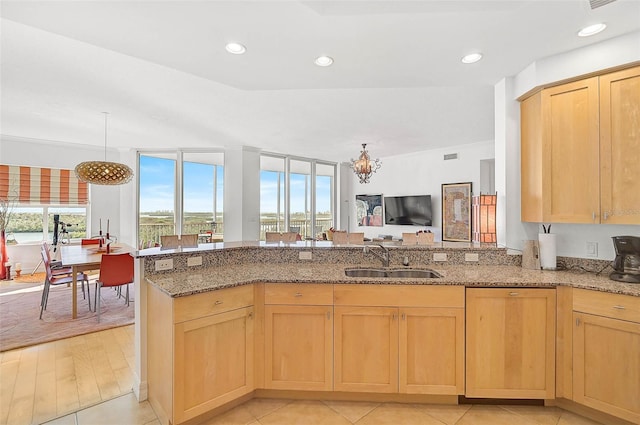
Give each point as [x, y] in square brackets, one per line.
[572, 238]
[420, 173]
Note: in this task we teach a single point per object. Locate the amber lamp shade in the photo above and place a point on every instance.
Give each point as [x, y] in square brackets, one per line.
[484, 218]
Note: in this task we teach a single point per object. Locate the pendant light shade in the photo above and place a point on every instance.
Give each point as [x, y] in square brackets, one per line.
[363, 166]
[104, 172]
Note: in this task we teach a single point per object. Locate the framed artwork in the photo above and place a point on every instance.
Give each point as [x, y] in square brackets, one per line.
[369, 210]
[456, 212]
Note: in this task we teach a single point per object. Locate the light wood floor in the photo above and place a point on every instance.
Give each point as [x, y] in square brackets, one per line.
[49, 380]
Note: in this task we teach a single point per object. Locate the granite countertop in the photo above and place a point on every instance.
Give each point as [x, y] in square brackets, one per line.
[192, 282]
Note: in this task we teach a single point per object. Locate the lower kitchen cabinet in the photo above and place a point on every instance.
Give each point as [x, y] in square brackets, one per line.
[431, 350]
[510, 344]
[399, 338]
[299, 347]
[606, 353]
[366, 349]
[200, 351]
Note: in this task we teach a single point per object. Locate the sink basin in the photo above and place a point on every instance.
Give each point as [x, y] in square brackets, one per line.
[415, 273]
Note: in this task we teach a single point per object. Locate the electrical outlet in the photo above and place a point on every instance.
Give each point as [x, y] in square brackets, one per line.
[164, 264]
[439, 256]
[304, 255]
[592, 249]
[194, 261]
[471, 256]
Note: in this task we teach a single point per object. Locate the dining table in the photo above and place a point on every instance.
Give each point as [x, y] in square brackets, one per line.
[86, 257]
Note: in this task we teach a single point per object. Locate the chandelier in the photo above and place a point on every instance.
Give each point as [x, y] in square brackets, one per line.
[363, 166]
[104, 172]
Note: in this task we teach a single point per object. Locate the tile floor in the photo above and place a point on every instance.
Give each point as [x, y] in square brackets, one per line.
[125, 410]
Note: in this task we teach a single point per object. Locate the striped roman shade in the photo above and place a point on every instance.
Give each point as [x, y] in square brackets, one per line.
[35, 185]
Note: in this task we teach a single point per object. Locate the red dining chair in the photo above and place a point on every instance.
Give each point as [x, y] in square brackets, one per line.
[56, 266]
[115, 270]
[90, 242]
[55, 280]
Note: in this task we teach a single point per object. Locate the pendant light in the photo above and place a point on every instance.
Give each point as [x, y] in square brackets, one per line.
[363, 166]
[104, 172]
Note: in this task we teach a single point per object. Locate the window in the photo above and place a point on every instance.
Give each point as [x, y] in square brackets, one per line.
[296, 195]
[36, 195]
[180, 190]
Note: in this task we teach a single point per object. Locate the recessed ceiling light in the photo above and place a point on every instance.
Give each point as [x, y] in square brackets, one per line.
[471, 58]
[323, 61]
[591, 30]
[235, 48]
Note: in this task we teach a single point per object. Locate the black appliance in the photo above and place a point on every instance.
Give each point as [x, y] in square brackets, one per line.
[408, 210]
[626, 265]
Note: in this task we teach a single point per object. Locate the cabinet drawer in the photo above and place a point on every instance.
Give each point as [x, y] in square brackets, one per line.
[205, 304]
[298, 293]
[399, 295]
[623, 307]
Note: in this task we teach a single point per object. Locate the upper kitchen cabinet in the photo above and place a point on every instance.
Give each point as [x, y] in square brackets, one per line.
[620, 146]
[580, 147]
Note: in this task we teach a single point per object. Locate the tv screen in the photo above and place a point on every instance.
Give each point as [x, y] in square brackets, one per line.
[408, 210]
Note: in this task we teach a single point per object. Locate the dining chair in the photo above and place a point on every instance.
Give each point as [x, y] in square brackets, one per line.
[272, 237]
[51, 279]
[169, 241]
[56, 266]
[90, 242]
[340, 237]
[189, 241]
[356, 238]
[289, 237]
[116, 270]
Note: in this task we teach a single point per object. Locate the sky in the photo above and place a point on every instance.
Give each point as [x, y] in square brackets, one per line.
[157, 188]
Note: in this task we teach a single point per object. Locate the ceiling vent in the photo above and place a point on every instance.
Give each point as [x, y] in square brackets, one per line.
[450, 156]
[599, 3]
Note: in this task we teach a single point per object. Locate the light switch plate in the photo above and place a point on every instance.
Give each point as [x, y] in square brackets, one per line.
[194, 261]
[592, 249]
[164, 264]
[439, 256]
[304, 255]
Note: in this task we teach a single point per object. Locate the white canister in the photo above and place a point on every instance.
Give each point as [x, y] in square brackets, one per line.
[547, 243]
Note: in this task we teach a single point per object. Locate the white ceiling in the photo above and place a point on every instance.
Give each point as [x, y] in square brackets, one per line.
[161, 70]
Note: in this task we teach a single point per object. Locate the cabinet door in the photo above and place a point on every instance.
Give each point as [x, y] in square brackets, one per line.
[620, 146]
[366, 349]
[510, 343]
[531, 159]
[570, 165]
[213, 362]
[298, 347]
[606, 365]
[431, 350]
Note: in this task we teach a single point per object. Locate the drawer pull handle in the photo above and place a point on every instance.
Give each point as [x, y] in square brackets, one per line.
[328, 315]
[619, 307]
[513, 294]
[577, 322]
[250, 315]
[218, 302]
[297, 294]
[393, 316]
[404, 316]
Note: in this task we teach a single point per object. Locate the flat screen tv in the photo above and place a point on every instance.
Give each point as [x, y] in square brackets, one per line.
[408, 210]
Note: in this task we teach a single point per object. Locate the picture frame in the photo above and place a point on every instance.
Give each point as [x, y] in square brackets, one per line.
[369, 210]
[456, 212]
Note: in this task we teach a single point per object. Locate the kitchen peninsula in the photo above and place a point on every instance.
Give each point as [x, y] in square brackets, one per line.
[229, 322]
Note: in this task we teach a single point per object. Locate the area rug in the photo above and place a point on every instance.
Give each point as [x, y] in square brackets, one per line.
[20, 309]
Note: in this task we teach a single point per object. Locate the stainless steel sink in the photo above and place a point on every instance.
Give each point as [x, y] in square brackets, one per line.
[415, 273]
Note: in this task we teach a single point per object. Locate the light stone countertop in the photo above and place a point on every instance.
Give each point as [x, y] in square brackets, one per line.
[181, 284]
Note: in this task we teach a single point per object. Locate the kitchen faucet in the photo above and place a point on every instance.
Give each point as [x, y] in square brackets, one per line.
[384, 257]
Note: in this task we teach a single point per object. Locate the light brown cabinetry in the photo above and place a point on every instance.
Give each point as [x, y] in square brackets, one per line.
[299, 337]
[580, 151]
[510, 351]
[399, 338]
[200, 351]
[606, 353]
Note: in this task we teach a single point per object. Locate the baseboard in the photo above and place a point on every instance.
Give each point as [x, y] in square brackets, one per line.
[348, 396]
[590, 413]
[140, 388]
